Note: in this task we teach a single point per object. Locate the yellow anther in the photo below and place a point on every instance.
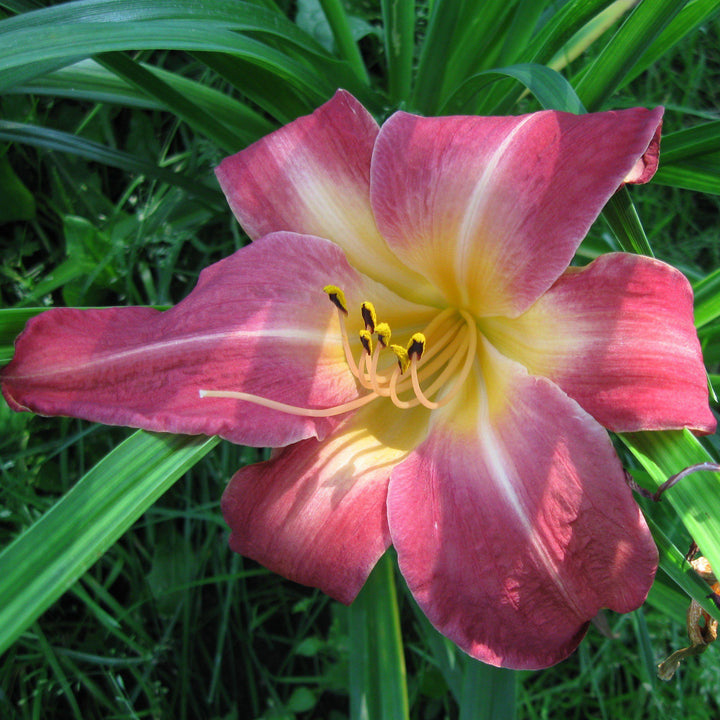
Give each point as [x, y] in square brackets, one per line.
[402, 357]
[366, 340]
[383, 334]
[368, 314]
[337, 297]
[416, 346]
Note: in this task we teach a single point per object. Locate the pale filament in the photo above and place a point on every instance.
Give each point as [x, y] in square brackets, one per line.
[458, 342]
[363, 377]
[430, 355]
[471, 337]
[346, 346]
[374, 377]
[468, 346]
[438, 353]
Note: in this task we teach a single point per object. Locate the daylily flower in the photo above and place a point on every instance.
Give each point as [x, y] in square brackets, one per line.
[406, 328]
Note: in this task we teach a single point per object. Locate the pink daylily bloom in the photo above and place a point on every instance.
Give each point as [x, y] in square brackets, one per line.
[457, 410]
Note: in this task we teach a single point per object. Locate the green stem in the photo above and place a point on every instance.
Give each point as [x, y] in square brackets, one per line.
[399, 24]
[346, 45]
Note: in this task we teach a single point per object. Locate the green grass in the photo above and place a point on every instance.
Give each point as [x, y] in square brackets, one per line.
[113, 202]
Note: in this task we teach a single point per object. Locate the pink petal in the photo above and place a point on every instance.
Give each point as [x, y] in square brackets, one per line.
[647, 164]
[514, 526]
[257, 321]
[316, 512]
[491, 210]
[618, 337]
[312, 176]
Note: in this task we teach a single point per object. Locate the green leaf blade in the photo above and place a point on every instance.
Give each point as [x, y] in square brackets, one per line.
[619, 57]
[696, 498]
[378, 685]
[86, 522]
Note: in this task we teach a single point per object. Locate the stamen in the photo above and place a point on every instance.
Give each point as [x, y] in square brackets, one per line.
[416, 346]
[402, 404]
[346, 346]
[434, 358]
[446, 350]
[442, 352]
[450, 357]
[439, 354]
[366, 340]
[437, 320]
[402, 357]
[369, 316]
[457, 341]
[469, 358]
[383, 334]
[337, 297]
[363, 377]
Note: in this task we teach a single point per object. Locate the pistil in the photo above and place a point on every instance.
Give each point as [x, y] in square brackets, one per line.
[290, 409]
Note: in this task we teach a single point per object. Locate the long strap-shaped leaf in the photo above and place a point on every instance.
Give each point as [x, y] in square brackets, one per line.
[687, 21]
[551, 89]
[691, 158]
[53, 553]
[488, 693]
[676, 568]
[198, 118]
[378, 689]
[73, 30]
[49, 139]
[707, 299]
[695, 498]
[232, 14]
[88, 80]
[347, 47]
[27, 50]
[620, 55]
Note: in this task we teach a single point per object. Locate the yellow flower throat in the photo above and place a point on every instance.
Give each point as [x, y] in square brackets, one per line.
[455, 344]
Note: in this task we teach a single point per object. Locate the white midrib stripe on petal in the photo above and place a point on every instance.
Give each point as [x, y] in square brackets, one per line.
[290, 335]
[336, 210]
[506, 480]
[476, 207]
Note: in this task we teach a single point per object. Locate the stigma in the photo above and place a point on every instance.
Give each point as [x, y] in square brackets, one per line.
[428, 370]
